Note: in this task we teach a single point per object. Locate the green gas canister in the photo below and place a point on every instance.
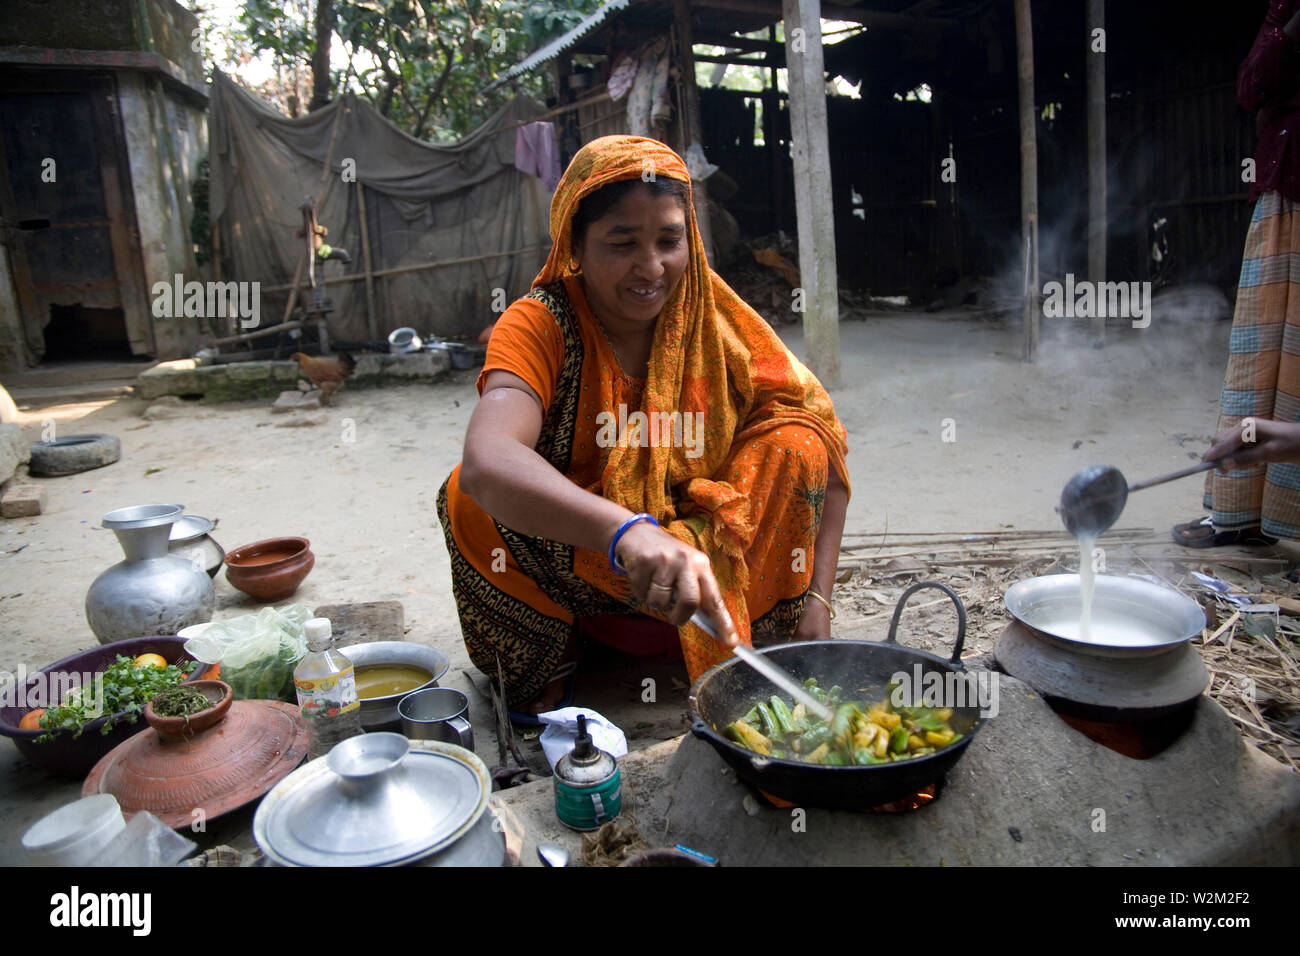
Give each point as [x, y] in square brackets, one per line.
[588, 791]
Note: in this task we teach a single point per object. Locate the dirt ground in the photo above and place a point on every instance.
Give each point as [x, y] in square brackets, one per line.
[362, 484]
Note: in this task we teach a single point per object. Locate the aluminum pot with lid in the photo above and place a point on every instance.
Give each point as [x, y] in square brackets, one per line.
[382, 800]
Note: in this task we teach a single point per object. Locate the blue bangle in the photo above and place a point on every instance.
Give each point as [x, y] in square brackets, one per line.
[613, 557]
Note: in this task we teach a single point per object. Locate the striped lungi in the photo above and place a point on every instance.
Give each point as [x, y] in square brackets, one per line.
[1263, 377]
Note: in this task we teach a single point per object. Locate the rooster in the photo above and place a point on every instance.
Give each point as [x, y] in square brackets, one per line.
[327, 374]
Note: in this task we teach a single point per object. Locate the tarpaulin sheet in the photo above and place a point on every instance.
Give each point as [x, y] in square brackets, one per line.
[424, 204]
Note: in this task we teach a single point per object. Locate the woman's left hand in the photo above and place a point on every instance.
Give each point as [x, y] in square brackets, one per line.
[815, 622]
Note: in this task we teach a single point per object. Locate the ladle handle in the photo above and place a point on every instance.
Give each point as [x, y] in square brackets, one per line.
[961, 615]
[1203, 466]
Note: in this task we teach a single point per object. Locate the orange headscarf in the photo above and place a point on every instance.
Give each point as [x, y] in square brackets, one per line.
[711, 353]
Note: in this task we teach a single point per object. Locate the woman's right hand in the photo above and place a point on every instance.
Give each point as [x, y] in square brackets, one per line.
[673, 578]
[1272, 442]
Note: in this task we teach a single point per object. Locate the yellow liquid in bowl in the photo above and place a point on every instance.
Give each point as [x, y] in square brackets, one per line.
[385, 680]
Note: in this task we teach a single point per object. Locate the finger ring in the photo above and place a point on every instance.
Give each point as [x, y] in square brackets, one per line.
[660, 587]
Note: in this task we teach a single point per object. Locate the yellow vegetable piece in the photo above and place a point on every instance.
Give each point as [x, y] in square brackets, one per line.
[914, 742]
[819, 754]
[753, 739]
[889, 721]
[882, 743]
[944, 713]
[939, 740]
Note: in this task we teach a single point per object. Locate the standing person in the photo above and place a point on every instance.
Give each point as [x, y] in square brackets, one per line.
[644, 444]
[1250, 505]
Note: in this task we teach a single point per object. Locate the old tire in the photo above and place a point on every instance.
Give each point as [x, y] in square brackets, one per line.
[72, 454]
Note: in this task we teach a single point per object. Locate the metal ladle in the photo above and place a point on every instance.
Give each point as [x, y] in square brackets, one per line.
[1093, 499]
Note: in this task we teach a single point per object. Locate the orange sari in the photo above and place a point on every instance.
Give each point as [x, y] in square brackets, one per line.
[731, 455]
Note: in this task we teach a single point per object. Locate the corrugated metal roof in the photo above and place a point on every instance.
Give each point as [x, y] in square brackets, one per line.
[556, 46]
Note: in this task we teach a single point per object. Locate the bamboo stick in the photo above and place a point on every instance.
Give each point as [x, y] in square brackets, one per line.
[372, 319]
[415, 267]
[1222, 627]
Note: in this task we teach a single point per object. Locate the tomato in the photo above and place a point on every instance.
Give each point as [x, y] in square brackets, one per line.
[31, 720]
[213, 672]
[149, 660]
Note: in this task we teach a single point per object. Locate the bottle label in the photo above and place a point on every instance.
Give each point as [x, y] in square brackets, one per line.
[327, 696]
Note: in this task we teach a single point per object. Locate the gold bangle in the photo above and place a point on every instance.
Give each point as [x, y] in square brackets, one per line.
[828, 604]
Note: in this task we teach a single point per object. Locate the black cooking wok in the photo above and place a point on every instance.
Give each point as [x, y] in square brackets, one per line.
[863, 668]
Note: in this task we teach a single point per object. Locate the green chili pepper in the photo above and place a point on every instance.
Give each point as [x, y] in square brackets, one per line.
[770, 726]
[813, 738]
[898, 739]
[835, 759]
[932, 724]
[784, 719]
[842, 721]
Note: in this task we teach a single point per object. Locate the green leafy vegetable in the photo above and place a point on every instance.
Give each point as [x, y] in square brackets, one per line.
[126, 689]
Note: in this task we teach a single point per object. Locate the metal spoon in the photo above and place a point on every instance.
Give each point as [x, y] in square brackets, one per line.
[1093, 499]
[765, 667]
[769, 670]
[552, 854]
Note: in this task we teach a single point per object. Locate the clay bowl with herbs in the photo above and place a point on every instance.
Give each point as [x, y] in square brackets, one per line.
[179, 713]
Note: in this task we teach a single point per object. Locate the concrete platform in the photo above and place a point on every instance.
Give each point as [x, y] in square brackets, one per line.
[240, 381]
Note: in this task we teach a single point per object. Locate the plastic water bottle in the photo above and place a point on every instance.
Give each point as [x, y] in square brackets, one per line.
[327, 690]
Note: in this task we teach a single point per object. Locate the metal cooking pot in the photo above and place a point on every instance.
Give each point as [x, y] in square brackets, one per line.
[1132, 617]
[190, 540]
[380, 713]
[727, 691]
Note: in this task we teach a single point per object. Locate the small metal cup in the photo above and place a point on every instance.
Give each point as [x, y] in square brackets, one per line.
[436, 713]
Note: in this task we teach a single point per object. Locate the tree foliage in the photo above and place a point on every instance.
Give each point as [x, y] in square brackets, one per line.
[419, 63]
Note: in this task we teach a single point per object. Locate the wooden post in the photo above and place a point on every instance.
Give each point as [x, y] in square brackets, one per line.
[812, 187]
[1028, 175]
[372, 320]
[772, 133]
[1097, 158]
[691, 121]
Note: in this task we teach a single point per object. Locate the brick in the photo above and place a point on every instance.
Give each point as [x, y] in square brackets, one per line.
[23, 501]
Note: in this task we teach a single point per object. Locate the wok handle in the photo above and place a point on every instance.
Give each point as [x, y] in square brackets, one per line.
[961, 615]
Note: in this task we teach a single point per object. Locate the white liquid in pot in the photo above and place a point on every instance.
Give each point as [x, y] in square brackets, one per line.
[1109, 627]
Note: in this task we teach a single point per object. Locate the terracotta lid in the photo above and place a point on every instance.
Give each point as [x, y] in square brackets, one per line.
[217, 770]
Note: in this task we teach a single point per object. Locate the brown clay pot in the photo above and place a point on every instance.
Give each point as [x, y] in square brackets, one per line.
[270, 570]
[183, 728]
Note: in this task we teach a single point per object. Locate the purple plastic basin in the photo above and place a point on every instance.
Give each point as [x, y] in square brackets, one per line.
[75, 757]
